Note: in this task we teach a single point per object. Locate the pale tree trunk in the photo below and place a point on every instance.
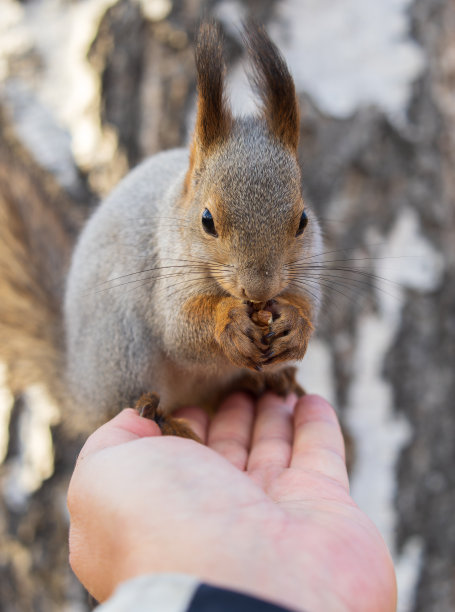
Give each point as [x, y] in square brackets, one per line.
[91, 88]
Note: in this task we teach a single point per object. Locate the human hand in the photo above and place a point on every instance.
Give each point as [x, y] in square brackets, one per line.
[264, 508]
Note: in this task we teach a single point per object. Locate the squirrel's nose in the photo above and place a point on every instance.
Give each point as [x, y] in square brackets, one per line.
[254, 294]
[258, 285]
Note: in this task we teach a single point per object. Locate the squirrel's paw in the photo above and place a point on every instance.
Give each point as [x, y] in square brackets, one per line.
[148, 406]
[239, 337]
[288, 336]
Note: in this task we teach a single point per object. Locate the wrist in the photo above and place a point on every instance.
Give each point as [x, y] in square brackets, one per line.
[268, 561]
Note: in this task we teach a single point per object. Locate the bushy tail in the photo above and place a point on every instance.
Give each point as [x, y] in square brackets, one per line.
[38, 226]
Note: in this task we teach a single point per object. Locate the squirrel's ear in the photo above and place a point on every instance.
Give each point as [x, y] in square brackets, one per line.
[274, 83]
[214, 119]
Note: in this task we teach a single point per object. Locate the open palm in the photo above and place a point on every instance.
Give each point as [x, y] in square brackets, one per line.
[268, 513]
[295, 453]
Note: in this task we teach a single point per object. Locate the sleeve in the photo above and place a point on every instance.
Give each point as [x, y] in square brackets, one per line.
[181, 593]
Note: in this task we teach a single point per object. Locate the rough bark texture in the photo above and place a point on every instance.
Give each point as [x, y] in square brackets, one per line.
[364, 173]
[421, 363]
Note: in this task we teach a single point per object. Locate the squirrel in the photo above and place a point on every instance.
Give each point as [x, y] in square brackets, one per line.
[189, 279]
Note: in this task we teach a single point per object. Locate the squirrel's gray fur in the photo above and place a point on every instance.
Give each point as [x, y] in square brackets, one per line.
[127, 331]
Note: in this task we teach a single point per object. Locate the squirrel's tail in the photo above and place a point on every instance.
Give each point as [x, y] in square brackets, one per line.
[38, 226]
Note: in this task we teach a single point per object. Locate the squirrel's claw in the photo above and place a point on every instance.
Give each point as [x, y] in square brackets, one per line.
[240, 338]
[148, 406]
[288, 337]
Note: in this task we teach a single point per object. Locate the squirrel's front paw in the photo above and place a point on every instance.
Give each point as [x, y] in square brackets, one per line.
[239, 337]
[288, 335]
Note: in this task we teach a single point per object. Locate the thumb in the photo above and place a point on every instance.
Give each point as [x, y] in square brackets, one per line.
[125, 427]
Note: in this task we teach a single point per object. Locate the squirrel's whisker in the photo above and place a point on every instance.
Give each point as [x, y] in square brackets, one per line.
[370, 282]
[142, 279]
[329, 285]
[346, 250]
[340, 273]
[186, 283]
[153, 269]
[213, 284]
[321, 300]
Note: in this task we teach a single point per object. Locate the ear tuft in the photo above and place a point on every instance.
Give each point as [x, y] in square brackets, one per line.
[273, 81]
[214, 118]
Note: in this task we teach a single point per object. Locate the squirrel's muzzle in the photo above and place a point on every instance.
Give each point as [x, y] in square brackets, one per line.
[259, 287]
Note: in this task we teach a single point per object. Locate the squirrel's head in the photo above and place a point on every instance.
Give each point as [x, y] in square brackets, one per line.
[242, 193]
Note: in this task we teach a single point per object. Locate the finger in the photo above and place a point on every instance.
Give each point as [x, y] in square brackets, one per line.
[230, 431]
[272, 435]
[318, 441]
[124, 427]
[196, 418]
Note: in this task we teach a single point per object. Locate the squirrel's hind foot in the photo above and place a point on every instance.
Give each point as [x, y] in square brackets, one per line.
[282, 383]
[148, 406]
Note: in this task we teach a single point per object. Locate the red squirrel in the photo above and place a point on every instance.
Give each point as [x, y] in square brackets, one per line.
[189, 279]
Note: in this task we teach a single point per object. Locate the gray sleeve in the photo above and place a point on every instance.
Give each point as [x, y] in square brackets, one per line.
[169, 592]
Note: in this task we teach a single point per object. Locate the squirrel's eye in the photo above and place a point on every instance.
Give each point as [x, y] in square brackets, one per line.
[303, 223]
[207, 223]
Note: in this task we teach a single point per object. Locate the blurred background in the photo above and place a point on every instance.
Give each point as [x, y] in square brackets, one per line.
[89, 88]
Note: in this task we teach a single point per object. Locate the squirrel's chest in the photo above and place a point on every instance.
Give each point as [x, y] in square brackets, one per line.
[183, 383]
